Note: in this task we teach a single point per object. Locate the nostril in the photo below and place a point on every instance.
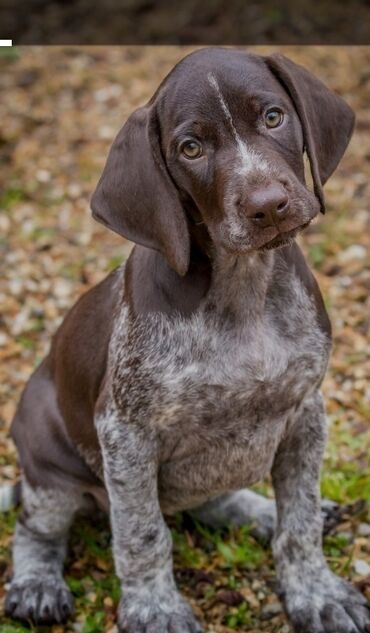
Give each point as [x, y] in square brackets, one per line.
[282, 207]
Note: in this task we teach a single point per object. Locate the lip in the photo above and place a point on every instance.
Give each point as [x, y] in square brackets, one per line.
[283, 239]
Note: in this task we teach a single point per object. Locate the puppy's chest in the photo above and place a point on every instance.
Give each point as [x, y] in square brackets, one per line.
[213, 378]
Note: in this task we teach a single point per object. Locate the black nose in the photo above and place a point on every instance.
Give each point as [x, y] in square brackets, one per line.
[267, 205]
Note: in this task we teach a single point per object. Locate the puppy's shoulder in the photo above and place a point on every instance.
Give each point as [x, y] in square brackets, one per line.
[151, 286]
[293, 258]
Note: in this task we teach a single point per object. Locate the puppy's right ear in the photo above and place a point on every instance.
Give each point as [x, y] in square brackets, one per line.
[135, 195]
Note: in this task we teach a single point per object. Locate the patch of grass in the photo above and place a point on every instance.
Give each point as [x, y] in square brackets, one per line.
[115, 261]
[38, 324]
[236, 547]
[11, 54]
[238, 616]
[39, 233]
[334, 545]
[347, 484]
[14, 628]
[90, 594]
[344, 437]
[7, 522]
[76, 586]
[71, 271]
[11, 196]
[232, 582]
[8, 626]
[345, 478]
[96, 539]
[263, 487]
[186, 554]
[108, 586]
[25, 341]
[247, 555]
[338, 552]
[95, 581]
[94, 622]
[317, 254]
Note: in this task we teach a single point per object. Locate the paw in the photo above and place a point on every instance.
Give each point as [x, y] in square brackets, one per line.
[138, 616]
[334, 607]
[263, 528]
[161, 623]
[39, 601]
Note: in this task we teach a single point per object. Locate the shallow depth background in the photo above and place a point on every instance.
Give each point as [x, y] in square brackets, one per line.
[60, 110]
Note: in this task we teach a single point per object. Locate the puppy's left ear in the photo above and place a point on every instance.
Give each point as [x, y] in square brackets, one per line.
[327, 121]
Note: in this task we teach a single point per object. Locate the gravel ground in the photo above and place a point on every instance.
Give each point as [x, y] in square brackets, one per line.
[60, 110]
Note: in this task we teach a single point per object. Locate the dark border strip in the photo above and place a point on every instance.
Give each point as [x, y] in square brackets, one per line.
[189, 22]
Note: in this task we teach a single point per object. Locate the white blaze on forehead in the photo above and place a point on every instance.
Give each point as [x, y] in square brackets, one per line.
[214, 83]
[249, 158]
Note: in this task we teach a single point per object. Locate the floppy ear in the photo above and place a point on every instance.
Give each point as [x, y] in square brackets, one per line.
[327, 121]
[135, 195]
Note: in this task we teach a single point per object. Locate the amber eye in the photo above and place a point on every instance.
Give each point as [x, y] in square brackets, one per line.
[191, 149]
[274, 118]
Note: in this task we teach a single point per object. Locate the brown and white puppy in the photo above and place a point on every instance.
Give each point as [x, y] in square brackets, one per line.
[194, 370]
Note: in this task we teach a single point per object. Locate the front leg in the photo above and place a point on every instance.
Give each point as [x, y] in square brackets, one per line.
[315, 599]
[142, 545]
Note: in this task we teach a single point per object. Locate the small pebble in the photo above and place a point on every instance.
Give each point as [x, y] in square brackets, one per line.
[345, 281]
[62, 288]
[3, 339]
[347, 536]
[74, 190]
[363, 529]
[256, 584]
[7, 497]
[104, 94]
[15, 286]
[19, 323]
[106, 132]
[43, 175]
[361, 567]
[270, 611]
[356, 251]
[4, 223]
[108, 602]
[91, 596]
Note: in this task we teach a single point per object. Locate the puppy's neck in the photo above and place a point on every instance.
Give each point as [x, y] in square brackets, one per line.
[226, 284]
[240, 282]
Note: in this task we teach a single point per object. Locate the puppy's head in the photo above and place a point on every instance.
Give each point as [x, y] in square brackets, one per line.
[221, 144]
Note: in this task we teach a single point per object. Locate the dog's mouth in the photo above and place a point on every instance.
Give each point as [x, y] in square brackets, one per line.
[283, 239]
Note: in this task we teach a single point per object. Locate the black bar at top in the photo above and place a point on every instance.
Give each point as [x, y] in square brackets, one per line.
[185, 22]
